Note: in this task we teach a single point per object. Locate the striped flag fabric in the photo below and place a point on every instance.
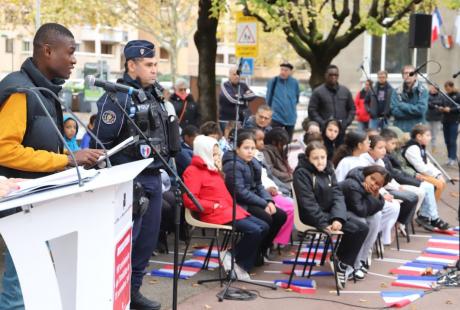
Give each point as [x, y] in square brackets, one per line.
[436, 25]
[415, 281]
[416, 269]
[204, 251]
[199, 261]
[400, 299]
[444, 240]
[167, 271]
[445, 260]
[317, 273]
[304, 286]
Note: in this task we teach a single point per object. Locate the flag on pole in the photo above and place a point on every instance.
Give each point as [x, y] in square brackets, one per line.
[436, 25]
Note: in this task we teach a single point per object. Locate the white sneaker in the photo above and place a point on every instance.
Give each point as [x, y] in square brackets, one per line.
[241, 274]
[226, 259]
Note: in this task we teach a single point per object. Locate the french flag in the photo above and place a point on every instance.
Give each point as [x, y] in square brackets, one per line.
[167, 271]
[400, 299]
[437, 259]
[199, 261]
[416, 269]
[305, 286]
[204, 251]
[317, 273]
[444, 240]
[415, 282]
[436, 25]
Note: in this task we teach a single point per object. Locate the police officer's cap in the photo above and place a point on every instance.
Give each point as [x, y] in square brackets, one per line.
[139, 49]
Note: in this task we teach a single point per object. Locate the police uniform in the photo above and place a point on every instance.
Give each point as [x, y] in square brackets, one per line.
[111, 127]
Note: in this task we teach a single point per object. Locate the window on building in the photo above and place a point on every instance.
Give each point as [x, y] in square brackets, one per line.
[220, 58]
[231, 59]
[77, 47]
[164, 54]
[107, 49]
[390, 52]
[89, 47]
[26, 46]
[9, 45]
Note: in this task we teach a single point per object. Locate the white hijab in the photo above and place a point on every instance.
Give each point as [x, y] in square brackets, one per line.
[203, 147]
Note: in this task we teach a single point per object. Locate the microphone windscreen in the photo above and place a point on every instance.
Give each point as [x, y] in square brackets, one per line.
[173, 135]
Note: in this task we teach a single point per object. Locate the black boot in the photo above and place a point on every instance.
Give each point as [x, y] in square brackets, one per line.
[140, 302]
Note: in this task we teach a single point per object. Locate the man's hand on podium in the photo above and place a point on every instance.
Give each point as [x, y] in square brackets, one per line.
[86, 157]
[8, 185]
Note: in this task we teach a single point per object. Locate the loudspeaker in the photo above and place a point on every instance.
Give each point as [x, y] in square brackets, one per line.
[420, 30]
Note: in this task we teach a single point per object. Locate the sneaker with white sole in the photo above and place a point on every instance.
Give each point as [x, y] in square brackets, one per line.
[341, 274]
[358, 274]
[241, 274]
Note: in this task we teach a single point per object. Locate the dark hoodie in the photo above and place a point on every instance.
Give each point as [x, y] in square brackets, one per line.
[319, 198]
[249, 188]
[357, 199]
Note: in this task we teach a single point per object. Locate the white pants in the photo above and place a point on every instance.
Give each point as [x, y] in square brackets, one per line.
[390, 213]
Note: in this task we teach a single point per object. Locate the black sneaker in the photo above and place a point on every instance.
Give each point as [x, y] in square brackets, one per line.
[438, 223]
[341, 274]
[364, 266]
[424, 222]
[140, 302]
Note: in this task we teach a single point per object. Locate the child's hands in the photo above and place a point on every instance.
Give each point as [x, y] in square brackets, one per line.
[388, 197]
[336, 226]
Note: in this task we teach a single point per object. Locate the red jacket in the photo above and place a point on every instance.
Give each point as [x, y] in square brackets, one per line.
[361, 112]
[209, 189]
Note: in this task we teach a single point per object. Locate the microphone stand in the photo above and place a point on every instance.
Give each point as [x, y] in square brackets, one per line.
[381, 123]
[61, 137]
[236, 293]
[179, 182]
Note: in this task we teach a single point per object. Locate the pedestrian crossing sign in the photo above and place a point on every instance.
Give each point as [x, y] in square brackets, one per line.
[247, 67]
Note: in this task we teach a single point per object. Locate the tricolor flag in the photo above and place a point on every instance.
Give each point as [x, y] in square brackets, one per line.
[167, 271]
[400, 299]
[436, 25]
[415, 282]
[317, 273]
[444, 239]
[441, 250]
[204, 251]
[416, 269]
[305, 286]
[437, 259]
[199, 261]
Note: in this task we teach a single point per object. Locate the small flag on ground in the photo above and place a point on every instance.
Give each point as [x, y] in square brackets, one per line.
[437, 259]
[167, 271]
[416, 269]
[203, 252]
[316, 273]
[415, 281]
[441, 250]
[301, 261]
[444, 239]
[400, 299]
[451, 246]
[199, 261]
[305, 286]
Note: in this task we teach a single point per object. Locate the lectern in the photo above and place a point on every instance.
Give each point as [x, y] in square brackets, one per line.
[71, 246]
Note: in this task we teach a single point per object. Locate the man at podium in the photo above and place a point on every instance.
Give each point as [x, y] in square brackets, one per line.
[151, 117]
[29, 145]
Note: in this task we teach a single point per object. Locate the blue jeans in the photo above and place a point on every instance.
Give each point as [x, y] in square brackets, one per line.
[378, 123]
[146, 229]
[11, 297]
[254, 231]
[362, 126]
[450, 130]
[429, 208]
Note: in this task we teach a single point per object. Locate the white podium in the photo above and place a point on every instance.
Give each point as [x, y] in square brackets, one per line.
[72, 246]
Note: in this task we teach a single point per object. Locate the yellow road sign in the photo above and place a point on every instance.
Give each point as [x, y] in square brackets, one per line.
[246, 36]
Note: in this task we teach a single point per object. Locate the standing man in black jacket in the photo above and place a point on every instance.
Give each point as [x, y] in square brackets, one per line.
[331, 100]
[451, 117]
[378, 102]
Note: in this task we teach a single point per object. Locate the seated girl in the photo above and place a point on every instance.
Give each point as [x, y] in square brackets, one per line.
[275, 153]
[203, 178]
[321, 204]
[245, 181]
[364, 203]
[347, 155]
[273, 185]
[330, 136]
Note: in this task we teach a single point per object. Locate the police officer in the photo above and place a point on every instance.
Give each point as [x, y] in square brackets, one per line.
[151, 117]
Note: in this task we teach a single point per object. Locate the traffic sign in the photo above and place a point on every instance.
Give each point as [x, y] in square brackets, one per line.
[246, 36]
[247, 67]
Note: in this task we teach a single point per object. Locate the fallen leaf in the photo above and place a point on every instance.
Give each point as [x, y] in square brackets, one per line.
[383, 285]
[449, 302]
[207, 307]
[195, 284]
[362, 300]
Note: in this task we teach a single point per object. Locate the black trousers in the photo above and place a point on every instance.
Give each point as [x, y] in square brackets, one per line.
[289, 129]
[407, 206]
[275, 222]
[354, 234]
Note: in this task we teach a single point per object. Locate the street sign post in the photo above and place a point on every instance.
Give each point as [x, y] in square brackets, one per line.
[246, 36]
[247, 67]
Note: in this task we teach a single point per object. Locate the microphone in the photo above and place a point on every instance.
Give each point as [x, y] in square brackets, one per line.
[456, 74]
[417, 70]
[79, 121]
[240, 66]
[91, 80]
[361, 66]
[55, 127]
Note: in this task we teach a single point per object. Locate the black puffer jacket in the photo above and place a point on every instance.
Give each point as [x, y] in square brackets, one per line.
[454, 115]
[187, 110]
[434, 101]
[398, 174]
[327, 103]
[319, 198]
[249, 188]
[358, 201]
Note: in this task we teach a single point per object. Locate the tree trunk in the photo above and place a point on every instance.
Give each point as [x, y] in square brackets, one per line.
[173, 54]
[318, 69]
[206, 43]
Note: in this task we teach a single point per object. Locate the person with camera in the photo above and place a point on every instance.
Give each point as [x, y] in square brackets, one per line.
[409, 102]
[112, 127]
